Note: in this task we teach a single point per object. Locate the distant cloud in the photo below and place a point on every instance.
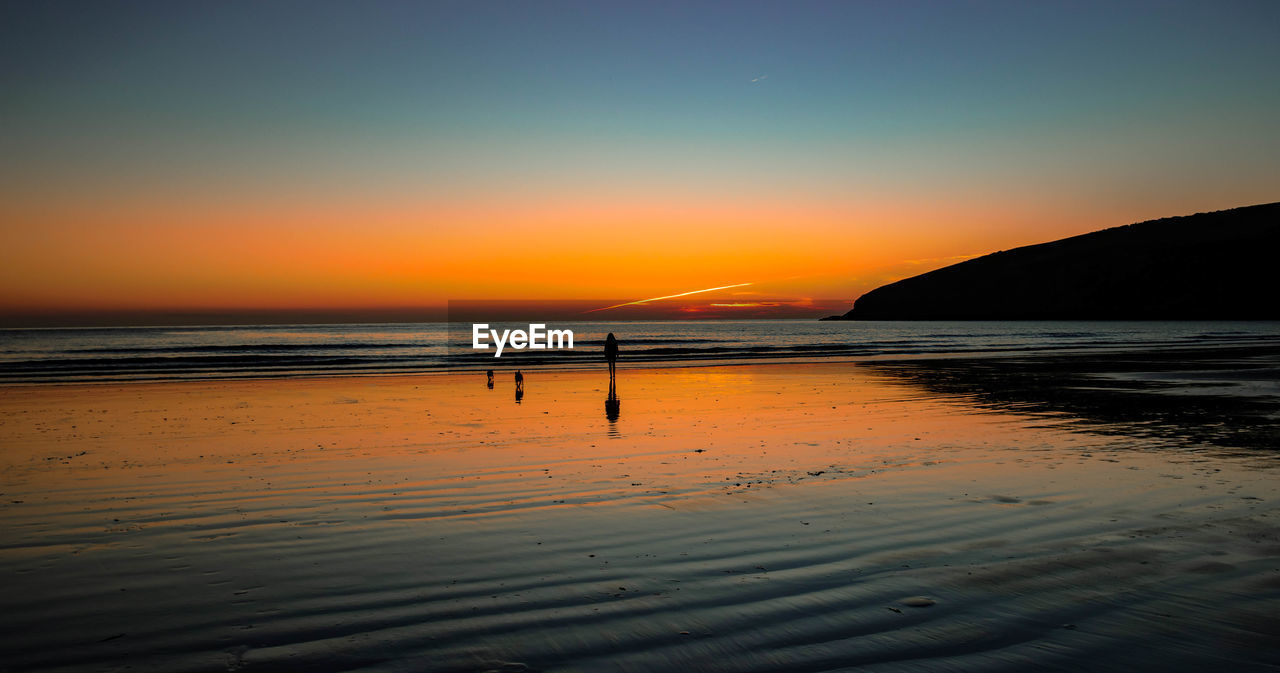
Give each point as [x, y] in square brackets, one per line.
[761, 78]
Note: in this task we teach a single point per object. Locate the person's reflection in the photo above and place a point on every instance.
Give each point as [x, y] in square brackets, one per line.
[612, 405]
[519, 386]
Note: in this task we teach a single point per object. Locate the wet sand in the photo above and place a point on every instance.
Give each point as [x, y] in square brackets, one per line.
[777, 517]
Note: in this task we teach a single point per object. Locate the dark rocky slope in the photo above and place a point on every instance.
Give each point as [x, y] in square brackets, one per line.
[1220, 265]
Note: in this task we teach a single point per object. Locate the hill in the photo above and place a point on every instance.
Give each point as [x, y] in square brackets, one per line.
[1219, 265]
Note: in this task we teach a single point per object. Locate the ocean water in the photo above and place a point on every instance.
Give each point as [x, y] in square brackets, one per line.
[164, 353]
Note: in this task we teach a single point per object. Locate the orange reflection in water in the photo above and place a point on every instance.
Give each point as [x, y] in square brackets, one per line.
[441, 445]
[436, 508]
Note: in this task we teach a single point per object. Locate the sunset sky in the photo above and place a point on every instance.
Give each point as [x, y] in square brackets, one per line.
[340, 155]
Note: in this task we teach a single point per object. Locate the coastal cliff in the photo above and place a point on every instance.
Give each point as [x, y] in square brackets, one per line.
[1218, 265]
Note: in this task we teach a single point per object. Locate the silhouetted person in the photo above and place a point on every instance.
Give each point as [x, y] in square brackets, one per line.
[612, 405]
[611, 354]
[490, 379]
[519, 382]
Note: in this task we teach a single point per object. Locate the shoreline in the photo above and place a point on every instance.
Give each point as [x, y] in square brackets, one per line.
[1067, 353]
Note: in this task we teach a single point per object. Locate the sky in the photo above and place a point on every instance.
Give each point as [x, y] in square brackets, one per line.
[381, 156]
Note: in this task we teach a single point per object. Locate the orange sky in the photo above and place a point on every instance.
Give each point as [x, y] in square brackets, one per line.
[163, 253]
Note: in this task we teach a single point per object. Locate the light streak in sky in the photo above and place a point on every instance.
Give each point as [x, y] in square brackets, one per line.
[670, 296]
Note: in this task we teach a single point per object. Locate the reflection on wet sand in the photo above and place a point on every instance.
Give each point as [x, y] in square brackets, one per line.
[765, 517]
[1228, 399]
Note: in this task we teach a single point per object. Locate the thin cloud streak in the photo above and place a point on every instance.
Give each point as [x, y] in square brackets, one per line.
[670, 296]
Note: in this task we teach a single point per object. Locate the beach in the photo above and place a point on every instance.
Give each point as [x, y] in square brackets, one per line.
[631, 337]
[822, 516]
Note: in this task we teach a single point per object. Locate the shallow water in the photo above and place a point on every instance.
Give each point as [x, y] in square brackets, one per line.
[751, 518]
[256, 351]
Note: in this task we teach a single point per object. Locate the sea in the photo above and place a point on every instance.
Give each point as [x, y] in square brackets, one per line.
[78, 355]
